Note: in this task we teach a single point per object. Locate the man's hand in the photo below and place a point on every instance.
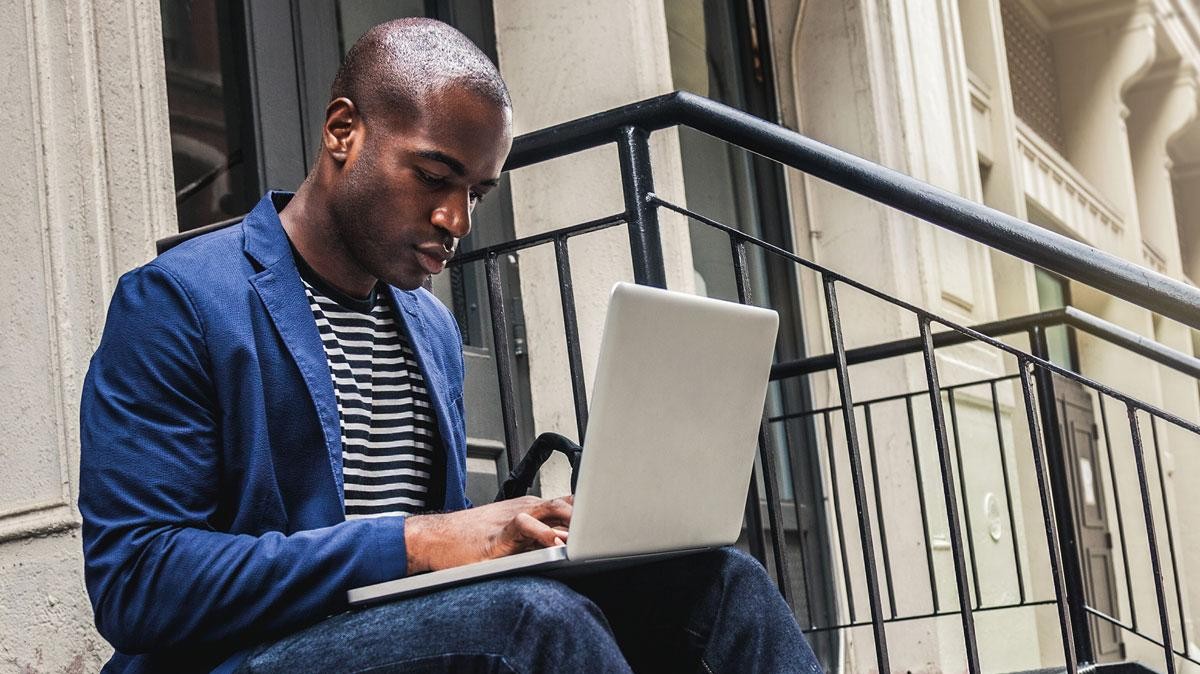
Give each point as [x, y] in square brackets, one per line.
[495, 530]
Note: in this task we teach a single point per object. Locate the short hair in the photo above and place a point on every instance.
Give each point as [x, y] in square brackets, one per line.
[396, 64]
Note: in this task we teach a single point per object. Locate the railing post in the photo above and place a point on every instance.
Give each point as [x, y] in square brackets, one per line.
[637, 181]
[1056, 460]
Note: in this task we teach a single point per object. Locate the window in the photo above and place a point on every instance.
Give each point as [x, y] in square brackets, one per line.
[1053, 293]
[206, 101]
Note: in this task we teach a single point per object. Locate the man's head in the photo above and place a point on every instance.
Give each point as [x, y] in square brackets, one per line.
[417, 131]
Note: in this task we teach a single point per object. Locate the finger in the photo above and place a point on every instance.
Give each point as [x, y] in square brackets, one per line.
[554, 511]
[535, 531]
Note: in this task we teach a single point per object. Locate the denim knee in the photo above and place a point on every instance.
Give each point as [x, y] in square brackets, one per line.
[552, 627]
[541, 603]
[735, 564]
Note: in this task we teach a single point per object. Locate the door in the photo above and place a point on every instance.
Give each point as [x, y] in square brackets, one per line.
[1082, 455]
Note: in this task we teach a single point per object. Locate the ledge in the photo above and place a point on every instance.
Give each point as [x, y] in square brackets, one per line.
[38, 520]
[1050, 181]
[1153, 258]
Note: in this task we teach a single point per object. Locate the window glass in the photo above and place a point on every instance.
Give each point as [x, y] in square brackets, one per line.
[718, 177]
[356, 17]
[1052, 294]
[214, 179]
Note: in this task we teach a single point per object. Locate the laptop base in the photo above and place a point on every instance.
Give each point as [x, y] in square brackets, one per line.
[551, 562]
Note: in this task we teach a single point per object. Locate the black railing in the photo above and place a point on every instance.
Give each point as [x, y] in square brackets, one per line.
[1033, 380]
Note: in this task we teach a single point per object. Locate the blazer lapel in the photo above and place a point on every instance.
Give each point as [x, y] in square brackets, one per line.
[420, 339]
[282, 292]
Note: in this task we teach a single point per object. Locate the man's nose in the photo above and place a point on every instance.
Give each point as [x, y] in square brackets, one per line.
[454, 215]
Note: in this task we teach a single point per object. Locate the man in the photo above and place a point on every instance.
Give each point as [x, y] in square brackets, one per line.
[271, 405]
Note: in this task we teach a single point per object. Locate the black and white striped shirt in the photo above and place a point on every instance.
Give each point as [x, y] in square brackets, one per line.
[393, 461]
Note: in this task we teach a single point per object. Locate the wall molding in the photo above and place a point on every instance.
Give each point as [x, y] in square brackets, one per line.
[1049, 180]
[37, 520]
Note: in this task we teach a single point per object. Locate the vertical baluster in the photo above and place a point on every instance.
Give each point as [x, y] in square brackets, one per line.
[1066, 629]
[766, 449]
[1162, 486]
[956, 546]
[804, 582]
[1151, 538]
[966, 501]
[837, 510]
[1008, 500]
[1057, 464]
[566, 291]
[757, 534]
[883, 539]
[856, 474]
[500, 349]
[912, 438]
[1112, 476]
[645, 244]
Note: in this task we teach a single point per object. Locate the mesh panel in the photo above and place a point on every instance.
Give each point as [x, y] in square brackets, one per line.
[1031, 73]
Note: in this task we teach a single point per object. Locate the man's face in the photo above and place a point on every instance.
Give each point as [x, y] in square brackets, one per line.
[405, 194]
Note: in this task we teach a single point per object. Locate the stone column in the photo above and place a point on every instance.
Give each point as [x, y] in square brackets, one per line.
[1118, 114]
[1162, 105]
[1186, 183]
[87, 191]
[562, 60]
[1098, 55]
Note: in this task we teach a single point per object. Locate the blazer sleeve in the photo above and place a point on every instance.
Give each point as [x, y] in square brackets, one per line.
[158, 574]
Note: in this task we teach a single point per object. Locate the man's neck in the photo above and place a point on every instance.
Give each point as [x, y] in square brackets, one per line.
[310, 227]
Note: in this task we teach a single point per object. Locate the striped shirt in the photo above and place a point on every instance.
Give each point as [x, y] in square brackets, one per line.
[393, 462]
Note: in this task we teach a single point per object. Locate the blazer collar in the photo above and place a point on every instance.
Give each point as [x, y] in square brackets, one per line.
[265, 240]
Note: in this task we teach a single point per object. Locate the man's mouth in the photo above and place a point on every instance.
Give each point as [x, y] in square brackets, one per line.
[432, 258]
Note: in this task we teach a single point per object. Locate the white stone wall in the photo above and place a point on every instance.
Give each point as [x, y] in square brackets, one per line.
[86, 190]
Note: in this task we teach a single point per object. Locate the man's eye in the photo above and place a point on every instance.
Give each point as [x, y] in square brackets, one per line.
[476, 197]
[430, 179]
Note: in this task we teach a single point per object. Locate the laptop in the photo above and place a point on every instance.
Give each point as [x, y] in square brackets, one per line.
[672, 432]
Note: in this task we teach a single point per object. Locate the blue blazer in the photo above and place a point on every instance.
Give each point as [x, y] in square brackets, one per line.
[211, 459]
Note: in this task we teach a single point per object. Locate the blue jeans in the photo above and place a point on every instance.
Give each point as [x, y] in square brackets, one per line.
[716, 611]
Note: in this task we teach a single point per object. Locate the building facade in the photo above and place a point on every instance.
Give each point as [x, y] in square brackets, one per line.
[134, 120]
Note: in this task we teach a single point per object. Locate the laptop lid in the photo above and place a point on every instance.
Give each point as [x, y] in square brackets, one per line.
[673, 423]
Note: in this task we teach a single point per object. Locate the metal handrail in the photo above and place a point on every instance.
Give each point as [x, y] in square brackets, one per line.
[1070, 258]
[1067, 316]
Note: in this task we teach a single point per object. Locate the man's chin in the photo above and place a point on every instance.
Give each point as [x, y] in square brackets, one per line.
[409, 281]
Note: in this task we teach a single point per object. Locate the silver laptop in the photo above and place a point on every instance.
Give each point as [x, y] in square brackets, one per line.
[671, 437]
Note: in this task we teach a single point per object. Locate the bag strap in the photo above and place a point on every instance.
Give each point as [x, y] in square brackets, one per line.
[520, 479]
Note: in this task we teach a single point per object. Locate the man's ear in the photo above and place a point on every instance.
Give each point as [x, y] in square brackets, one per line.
[342, 125]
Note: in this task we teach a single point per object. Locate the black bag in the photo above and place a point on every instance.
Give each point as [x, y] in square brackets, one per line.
[520, 479]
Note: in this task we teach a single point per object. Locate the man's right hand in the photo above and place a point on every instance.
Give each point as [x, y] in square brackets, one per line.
[446, 540]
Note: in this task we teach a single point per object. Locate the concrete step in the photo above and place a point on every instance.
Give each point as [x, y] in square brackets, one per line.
[1105, 668]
